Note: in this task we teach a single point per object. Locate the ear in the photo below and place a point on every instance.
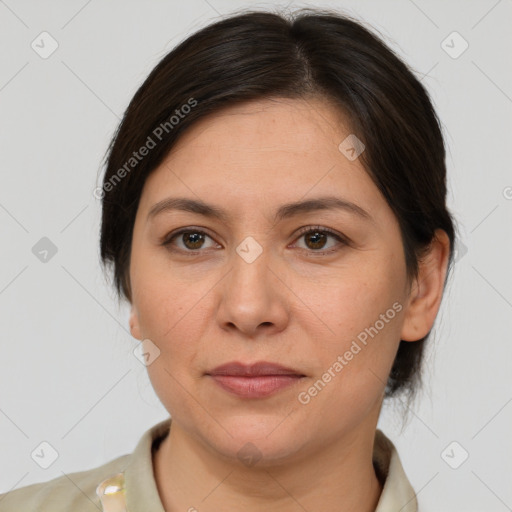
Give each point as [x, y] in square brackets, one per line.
[427, 290]
[134, 323]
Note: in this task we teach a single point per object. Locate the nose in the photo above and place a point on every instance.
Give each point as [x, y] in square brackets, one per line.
[253, 297]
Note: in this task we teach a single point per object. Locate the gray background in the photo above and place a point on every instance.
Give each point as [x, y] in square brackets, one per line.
[68, 375]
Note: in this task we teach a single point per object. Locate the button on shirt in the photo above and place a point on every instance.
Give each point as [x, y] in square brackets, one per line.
[77, 491]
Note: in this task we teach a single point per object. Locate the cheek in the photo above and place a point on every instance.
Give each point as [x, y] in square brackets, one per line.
[347, 303]
[162, 318]
[166, 316]
[166, 300]
[362, 319]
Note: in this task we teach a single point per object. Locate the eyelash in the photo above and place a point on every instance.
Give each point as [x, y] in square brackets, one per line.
[303, 231]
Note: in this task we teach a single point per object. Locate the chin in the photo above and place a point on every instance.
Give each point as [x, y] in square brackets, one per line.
[257, 441]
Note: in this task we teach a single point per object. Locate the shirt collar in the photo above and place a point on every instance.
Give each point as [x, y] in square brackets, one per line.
[142, 493]
[397, 493]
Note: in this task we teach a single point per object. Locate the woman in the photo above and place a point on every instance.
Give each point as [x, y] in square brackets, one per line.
[274, 212]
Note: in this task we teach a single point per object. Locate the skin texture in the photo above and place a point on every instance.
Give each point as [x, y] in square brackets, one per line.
[290, 306]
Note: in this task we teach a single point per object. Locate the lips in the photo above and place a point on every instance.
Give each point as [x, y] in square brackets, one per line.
[262, 368]
[251, 381]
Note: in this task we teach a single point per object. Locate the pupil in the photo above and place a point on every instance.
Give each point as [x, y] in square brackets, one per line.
[317, 244]
[196, 239]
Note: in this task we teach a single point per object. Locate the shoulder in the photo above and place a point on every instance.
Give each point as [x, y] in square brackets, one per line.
[73, 491]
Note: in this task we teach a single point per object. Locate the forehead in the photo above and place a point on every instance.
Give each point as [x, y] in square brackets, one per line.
[268, 125]
[272, 150]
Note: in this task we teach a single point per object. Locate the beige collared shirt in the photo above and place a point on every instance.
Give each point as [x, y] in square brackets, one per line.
[77, 491]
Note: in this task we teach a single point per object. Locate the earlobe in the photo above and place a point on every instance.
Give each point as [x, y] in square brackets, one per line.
[134, 324]
[427, 290]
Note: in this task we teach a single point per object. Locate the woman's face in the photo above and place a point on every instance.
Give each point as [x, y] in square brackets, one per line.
[254, 288]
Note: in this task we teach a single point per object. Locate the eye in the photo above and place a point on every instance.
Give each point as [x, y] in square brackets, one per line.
[316, 238]
[191, 239]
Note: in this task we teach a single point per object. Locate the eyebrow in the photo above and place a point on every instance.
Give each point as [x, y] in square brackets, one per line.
[285, 211]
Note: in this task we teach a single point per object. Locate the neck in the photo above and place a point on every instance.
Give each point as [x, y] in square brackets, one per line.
[339, 477]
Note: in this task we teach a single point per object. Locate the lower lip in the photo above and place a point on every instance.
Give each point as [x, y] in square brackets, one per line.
[255, 387]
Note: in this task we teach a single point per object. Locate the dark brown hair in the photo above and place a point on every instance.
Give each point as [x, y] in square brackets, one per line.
[254, 55]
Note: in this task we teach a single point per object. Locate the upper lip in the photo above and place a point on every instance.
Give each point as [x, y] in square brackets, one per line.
[255, 369]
